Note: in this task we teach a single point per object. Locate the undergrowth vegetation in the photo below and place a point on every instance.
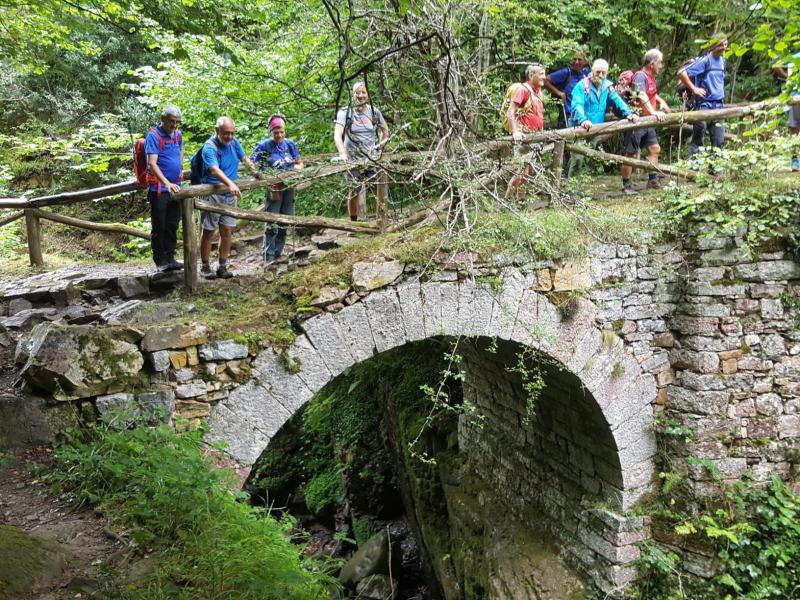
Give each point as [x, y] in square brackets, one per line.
[161, 492]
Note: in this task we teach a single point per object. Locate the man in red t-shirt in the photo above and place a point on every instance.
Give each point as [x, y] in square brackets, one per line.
[526, 114]
[650, 104]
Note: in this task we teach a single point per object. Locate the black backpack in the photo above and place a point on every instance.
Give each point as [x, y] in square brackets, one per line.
[197, 163]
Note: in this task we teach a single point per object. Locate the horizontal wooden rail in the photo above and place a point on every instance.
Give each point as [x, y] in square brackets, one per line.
[266, 217]
[12, 217]
[91, 225]
[633, 162]
[571, 134]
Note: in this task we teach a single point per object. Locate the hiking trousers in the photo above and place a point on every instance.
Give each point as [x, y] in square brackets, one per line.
[279, 200]
[165, 215]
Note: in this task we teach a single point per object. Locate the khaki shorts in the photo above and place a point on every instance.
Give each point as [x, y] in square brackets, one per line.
[211, 221]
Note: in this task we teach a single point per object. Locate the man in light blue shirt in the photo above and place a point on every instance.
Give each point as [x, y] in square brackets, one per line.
[705, 79]
[222, 154]
[593, 96]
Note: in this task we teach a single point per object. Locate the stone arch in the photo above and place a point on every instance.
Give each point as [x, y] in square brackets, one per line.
[413, 311]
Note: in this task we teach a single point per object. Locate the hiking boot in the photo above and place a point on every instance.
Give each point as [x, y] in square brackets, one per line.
[174, 266]
[223, 273]
[654, 184]
[795, 164]
[629, 191]
[206, 272]
[163, 268]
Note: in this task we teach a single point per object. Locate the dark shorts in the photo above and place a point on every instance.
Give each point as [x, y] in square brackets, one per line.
[639, 138]
[356, 178]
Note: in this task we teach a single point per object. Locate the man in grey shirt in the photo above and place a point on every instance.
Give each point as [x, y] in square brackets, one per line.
[354, 135]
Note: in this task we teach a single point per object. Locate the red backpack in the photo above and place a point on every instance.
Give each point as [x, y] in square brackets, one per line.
[140, 171]
[624, 85]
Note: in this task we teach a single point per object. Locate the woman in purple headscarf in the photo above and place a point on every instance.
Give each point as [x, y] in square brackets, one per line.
[279, 154]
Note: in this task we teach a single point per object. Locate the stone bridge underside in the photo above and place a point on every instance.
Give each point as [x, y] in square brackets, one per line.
[591, 440]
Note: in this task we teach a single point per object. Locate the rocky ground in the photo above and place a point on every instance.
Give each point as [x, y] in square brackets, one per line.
[47, 547]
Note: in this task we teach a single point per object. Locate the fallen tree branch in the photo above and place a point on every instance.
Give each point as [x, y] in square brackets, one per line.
[633, 162]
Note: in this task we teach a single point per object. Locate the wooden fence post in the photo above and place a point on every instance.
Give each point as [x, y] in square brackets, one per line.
[189, 245]
[558, 162]
[382, 199]
[34, 230]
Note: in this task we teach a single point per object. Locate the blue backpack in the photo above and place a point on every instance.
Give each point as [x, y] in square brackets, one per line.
[198, 165]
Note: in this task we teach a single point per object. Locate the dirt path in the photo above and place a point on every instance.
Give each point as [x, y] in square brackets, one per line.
[85, 554]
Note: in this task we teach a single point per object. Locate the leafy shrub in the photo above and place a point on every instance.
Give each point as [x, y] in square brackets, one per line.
[161, 489]
[324, 491]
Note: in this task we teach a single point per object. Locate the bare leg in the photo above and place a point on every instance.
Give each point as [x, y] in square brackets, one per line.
[205, 245]
[225, 238]
[517, 180]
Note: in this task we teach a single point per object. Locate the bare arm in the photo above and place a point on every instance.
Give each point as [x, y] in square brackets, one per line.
[152, 164]
[554, 90]
[338, 139]
[219, 174]
[384, 137]
[684, 77]
[511, 116]
[253, 167]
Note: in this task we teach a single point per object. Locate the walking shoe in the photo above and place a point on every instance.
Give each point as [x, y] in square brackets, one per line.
[629, 191]
[654, 184]
[223, 273]
[162, 268]
[174, 266]
[795, 164]
[206, 272]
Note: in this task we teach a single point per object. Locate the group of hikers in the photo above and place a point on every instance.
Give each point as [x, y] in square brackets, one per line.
[361, 132]
[217, 162]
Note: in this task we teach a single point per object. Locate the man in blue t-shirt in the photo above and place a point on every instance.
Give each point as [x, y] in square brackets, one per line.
[561, 81]
[222, 154]
[705, 79]
[163, 146]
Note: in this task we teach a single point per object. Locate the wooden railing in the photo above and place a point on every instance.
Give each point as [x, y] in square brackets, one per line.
[189, 197]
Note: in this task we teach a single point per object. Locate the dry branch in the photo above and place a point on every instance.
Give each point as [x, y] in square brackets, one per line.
[11, 218]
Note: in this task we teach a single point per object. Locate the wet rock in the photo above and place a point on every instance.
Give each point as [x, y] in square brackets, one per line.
[377, 587]
[114, 315]
[329, 295]
[27, 319]
[223, 350]
[77, 361]
[372, 558]
[131, 287]
[177, 336]
[368, 276]
[17, 305]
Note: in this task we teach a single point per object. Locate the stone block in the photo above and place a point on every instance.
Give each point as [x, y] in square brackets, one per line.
[698, 402]
[789, 426]
[769, 405]
[730, 366]
[178, 359]
[191, 409]
[766, 290]
[699, 362]
[355, 329]
[158, 360]
[410, 297]
[176, 336]
[773, 270]
[222, 350]
[313, 371]
[771, 309]
[157, 404]
[325, 335]
[695, 325]
[572, 275]
[192, 357]
[117, 410]
[773, 346]
[190, 390]
[368, 276]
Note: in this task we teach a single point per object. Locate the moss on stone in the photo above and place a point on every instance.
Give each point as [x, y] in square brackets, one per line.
[25, 560]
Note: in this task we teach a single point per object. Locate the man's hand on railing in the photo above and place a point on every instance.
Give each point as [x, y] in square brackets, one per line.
[173, 188]
[633, 118]
[660, 115]
[587, 124]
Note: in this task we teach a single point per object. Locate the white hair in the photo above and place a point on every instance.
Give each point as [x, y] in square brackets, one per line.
[222, 120]
[600, 63]
[171, 110]
[651, 56]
